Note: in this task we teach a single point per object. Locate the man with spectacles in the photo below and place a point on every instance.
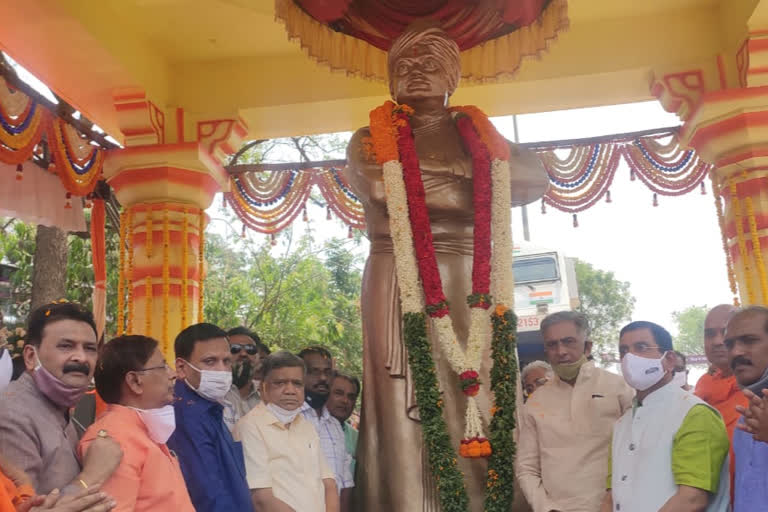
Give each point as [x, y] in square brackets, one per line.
[134, 379]
[534, 375]
[317, 389]
[246, 363]
[669, 451]
[566, 424]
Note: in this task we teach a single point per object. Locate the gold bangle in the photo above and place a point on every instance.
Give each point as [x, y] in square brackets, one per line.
[85, 485]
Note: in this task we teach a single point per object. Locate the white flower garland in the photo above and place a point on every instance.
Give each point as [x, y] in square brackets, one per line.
[411, 294]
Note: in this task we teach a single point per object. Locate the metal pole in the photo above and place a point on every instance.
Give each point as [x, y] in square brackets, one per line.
[524, 208]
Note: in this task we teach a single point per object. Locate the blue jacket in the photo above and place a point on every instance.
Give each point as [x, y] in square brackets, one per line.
[750, 487]
[211, 461]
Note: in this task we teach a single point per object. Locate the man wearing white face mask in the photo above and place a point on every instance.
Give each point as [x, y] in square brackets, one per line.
[211, 461]
[287, 469]
[133, 378]
[669, 452]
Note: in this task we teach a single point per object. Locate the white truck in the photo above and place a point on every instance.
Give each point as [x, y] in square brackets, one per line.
[545, 282]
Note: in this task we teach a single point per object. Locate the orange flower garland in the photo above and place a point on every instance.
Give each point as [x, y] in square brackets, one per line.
[736, 205]
[129, 277]
[384, 133]
[723, 237]
[148, 306]
[184, 267]
[166, 276]
[149, 232]
[200, 263]
[757, 251]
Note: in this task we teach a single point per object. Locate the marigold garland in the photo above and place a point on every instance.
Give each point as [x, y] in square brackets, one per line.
[757, 251]
[121, 277]
[184, 267]
[410, 231]
[736, 205]
[149, 232]
[166, 276]
[723, 237]
[129, 277]
[201, 261]
[148, 307]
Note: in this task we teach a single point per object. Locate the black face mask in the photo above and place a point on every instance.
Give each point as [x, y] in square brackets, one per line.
[316, 400]
[241, 373]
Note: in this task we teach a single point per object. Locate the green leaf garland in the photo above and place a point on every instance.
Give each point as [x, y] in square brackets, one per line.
[499, 490]
[442, 456]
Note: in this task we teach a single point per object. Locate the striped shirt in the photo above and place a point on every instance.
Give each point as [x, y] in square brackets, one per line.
[333, 444]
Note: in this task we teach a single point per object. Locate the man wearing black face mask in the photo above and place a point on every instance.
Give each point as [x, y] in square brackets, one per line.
[246, 364]
[37, 434]
[317, 388]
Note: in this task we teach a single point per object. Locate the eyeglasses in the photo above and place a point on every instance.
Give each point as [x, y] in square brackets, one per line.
[640, 347]
[711, 332]
[163, 367]
[251, 350]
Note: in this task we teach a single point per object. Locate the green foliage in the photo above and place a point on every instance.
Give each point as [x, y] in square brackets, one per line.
[442, 456]
[17, 247]
[607, 302]
[500, 489]
[690, 329]
[288, 294]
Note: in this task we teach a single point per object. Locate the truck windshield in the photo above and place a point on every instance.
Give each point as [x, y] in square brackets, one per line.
[540, 268]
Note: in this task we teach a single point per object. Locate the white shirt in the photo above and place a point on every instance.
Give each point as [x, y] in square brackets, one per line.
[333, 443]
[565, 438]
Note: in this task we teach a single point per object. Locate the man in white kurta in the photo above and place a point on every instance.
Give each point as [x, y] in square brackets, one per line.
[565, 430]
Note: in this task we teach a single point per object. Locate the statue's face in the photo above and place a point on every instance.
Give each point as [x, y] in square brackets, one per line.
[418, 74]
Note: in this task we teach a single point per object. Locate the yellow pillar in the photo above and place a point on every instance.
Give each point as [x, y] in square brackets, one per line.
[164, 190]
[724, 109]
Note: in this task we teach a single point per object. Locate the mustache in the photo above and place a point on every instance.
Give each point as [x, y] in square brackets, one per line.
[77, 367]
[740, 360]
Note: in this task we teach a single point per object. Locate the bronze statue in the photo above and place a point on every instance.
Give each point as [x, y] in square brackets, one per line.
[392, 469]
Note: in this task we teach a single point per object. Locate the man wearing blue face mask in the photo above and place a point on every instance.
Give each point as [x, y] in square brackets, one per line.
[211, 461]
[670, 450]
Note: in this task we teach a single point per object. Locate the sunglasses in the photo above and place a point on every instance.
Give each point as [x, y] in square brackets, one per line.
[251, 350]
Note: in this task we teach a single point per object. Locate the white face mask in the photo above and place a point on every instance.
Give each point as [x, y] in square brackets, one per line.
[214, 384]
[6, 370]
[160, 422]
[284, 415]
[680, 379]
[640, 372]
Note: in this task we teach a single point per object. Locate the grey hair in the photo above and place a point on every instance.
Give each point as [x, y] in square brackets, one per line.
[578, 318]
[535, 365]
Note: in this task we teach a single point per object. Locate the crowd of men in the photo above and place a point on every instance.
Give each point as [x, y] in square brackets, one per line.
[645, 441]
[233, 427]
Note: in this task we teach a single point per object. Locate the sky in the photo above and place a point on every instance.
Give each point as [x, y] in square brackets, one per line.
[671, 254]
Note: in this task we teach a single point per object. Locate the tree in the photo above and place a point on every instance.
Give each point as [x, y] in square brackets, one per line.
[690, 329]
[290, 295]
[607, 302]
[17, 247]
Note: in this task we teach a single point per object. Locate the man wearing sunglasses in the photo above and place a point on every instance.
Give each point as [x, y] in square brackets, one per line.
[246, 366]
